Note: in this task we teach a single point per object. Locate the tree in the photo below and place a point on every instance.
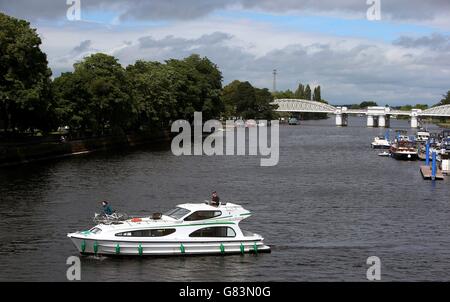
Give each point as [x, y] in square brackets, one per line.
[445, 100]
[300, 92]
[244, 100]
[316, 96]
[288, 94]
[25, 85]
[153, 92]
[96, 96]
[198, 85]
[265, 110]
[307, 94]
[229, 99]
[366, 104]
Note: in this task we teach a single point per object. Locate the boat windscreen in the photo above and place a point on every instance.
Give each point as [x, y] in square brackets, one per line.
[177, 213]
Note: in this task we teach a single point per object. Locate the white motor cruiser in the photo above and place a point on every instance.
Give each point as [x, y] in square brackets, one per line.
[189, 229]
[380, 142]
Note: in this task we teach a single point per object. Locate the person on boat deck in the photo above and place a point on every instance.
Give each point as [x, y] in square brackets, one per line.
[107, 208]
[215, 199]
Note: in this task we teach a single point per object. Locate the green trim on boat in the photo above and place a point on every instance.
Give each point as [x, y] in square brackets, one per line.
[117, 249]
[95, 247]
[83, 246]
[255, 248]
[140, 250]
[182, 249]
[222, 248]
[242, 248]
[244, 214]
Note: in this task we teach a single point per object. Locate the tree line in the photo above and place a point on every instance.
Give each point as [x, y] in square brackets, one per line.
[100, 96]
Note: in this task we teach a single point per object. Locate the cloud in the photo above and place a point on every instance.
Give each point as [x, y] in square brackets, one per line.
[188, 10]
[349, 72]
[83, 47]
[182, 43]
[435, 41]
[349, 69]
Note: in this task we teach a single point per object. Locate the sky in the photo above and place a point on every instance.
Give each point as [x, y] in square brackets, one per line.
[403, 57]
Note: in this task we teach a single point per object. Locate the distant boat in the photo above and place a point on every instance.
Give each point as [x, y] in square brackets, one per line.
[261, 124]
[384, 153]
[380, 142]
[293, 121]
[422, 136]
[404, 150]
[250, 123]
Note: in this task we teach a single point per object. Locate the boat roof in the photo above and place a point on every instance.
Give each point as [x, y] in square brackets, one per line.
[206, 206]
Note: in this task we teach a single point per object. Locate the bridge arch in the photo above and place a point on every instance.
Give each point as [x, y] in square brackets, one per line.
[299, 105]
[443, 110]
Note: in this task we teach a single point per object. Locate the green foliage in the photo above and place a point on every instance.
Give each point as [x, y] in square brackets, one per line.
[154, 94]
[25, 91]
[445, 100]
[366, 104]
[243, 100]
[288, 94]
[316, 96]
[100, 94]
[300, 92]
[96, 96]
[198, 87]
[307, 95]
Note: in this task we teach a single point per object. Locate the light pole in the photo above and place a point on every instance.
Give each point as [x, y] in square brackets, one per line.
[274, 80]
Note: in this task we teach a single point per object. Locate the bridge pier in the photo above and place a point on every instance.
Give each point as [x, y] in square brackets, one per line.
[383, 121]
[415, 118]
[341, 119]
[414, 122]
[370, 121]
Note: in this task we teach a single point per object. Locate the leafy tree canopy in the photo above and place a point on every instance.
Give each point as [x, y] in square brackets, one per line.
[25, 93]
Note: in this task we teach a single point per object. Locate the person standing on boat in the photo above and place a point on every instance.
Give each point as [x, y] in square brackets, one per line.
[107, 208]
[215, 199]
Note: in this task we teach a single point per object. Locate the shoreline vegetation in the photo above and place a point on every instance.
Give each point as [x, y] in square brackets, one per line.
[100, 99]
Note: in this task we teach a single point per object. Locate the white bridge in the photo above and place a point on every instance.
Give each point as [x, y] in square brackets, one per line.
[376, 116]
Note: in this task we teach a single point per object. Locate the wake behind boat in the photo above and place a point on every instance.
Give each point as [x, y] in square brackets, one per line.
[189, 229]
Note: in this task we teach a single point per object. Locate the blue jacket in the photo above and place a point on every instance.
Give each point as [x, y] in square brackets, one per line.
[107, 209]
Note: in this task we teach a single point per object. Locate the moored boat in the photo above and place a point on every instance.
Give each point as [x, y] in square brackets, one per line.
[380, 142]
[404, 150]
[189, 229]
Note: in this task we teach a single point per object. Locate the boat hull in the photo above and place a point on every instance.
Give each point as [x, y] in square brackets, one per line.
[375, 146]
[405, 156]
[180, 248]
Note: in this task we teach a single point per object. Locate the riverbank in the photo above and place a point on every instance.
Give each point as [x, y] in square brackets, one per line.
[11, 155]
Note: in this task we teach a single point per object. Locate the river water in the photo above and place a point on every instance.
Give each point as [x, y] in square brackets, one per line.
[328, 205]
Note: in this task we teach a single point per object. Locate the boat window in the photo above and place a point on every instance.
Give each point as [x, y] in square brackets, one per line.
[214, 232]
[202, 215]
[95, 230]
[177, 213]
[147, 233]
